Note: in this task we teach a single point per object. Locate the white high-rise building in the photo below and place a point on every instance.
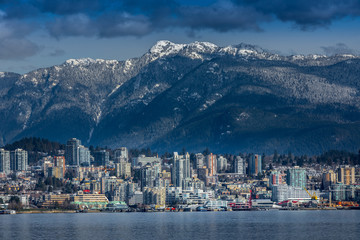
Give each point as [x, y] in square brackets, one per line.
[221, 164]
[123, 169]
[239, 165]
[121, 154]
[200, 158]
[84, 156]
[4, 161]
[180, 169]
[150, 175]
[187, 165]
[18, 160]
[76, 154]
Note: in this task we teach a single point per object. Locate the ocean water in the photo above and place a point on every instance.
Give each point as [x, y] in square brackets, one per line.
[184, 225]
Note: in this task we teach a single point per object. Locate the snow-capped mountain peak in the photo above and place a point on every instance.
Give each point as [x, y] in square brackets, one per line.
[192, 50]
[176, 92]
[87, 61]
[80, 61]
[203, 47]
[165, 47]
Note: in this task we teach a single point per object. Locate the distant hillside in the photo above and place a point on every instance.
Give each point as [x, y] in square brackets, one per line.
[33, 144]
[36, 147]
[229, 99]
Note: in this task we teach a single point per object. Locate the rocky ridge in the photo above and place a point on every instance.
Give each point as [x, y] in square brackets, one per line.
[197, 95]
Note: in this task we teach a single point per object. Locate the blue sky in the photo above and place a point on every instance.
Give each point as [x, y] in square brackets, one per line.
[41, 33]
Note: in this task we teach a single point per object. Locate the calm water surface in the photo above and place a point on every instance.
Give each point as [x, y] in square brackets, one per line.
[184, 225]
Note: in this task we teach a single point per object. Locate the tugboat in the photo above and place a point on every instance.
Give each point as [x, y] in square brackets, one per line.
[242, 206]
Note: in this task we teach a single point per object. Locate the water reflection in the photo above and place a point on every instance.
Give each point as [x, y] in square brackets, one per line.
[187, 225]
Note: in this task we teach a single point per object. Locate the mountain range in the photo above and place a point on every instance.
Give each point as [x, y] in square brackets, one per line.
[238, 98]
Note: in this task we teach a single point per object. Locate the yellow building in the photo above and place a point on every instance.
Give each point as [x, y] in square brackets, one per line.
[123, 169]
[50, 200]
[156, 196]
[90, 201]
[58, 172]
[328, 179]
[81, 197]
[346, 175]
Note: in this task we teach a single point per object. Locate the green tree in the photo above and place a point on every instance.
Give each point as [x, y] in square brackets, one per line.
[67, 205]
[183, 151]
[206, 152]
[68, 188]
[271, 167]
[56, 205]
[275, 156]
[69, 175]
[263, 161]
[14, 203]
[148, 152]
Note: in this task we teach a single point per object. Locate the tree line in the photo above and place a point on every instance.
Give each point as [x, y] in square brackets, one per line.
[38, 147]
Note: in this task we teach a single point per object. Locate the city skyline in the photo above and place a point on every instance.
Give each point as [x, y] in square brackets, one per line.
[183, 181]
[217, 107]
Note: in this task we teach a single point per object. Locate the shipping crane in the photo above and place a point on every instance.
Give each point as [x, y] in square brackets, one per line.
[313, 196]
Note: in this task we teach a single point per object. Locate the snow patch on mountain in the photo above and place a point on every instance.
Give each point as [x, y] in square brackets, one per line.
[34, 81]
[87, 61]
[98, 116]
[114, 90]
[192, 50]
[203, 47]
[242, 116]
[165, 48]
[80, 61]
[348, 56]
[231, 50]
[305, 86]
[128, 66]
[246, 52]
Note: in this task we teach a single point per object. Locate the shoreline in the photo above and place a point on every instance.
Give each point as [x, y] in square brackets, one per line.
[55, 211]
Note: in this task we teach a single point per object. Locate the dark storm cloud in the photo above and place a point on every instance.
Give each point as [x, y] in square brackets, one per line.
[13, 41]
[17, 28]
[111, 18]
[20, 10]
[221, 17]
[68, 7]
[123, 25]
[14, 49]
[305, 13]
[162, 7]
[339, 48]
[106, 26]
[71, 25]
[99, 7]
[139, 18]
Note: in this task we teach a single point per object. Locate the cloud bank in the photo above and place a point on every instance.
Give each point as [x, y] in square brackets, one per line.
[339, 48]
[110, 18]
